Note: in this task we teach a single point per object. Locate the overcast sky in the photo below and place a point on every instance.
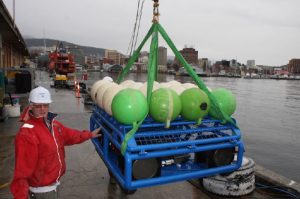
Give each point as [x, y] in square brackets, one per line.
[267, 31]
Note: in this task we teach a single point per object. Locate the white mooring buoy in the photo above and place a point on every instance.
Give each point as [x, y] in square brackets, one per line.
[238, 183]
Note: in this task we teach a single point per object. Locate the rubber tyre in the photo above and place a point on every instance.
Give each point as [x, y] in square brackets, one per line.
[237, 183]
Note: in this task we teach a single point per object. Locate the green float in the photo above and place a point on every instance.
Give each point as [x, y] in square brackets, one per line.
[165, 105]
[195, 104]
[226, 101]
[129, 106]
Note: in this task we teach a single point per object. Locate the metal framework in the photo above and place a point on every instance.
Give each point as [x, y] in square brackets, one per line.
[153, 141]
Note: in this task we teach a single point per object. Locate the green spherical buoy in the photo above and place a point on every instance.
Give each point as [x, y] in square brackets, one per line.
[226, 101]
[165, 105]
[129, 106]
[195, 104]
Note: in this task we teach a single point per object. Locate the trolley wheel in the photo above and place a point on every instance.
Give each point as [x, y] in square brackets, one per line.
[127, 191]
[112, 179]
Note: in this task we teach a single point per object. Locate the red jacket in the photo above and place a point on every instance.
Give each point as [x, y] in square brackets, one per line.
[40, 153]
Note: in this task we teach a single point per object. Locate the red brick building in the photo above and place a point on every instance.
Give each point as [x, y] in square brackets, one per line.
[294, 66]
[190, 55]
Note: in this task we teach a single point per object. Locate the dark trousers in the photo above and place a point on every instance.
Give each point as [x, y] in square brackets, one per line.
[46, 195]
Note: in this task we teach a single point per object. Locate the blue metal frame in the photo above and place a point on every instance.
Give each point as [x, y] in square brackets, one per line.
[152, 140]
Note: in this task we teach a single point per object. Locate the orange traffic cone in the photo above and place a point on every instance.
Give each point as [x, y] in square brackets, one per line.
[77, 91]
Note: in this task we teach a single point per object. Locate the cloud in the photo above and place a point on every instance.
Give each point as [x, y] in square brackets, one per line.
[265, 30]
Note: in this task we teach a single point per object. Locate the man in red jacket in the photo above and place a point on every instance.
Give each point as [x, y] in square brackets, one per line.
[39, 149]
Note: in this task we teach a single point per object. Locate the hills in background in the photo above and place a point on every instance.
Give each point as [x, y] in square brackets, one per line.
[78, 51]
[36, 48]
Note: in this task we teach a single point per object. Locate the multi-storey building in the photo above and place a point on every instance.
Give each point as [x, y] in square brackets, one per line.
[250, 63]
[221, 66]
[294, 66]
[114, 55]
[92, 60]
[204, 64]
[190, 55]
[162, 56]
[233, 63]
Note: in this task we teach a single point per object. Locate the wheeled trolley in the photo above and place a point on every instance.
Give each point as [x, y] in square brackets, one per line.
[157, 155]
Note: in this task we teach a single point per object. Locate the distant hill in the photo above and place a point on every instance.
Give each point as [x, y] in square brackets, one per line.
[79, 51]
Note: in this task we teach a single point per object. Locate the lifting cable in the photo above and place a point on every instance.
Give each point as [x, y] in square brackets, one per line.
[285, 191]
[2, 186]
[134, 28]
[134, 35]
[137, 32]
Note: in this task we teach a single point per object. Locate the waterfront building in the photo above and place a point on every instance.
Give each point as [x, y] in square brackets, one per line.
[250, 63]
[266, 70]
[190, 55]
[144, 53]
[223, 66]
[252, 68]
[106, 61]
[142, 64]
[92, 60]
[294, 66]
[280, 71]
[235, 67]
[233, 63]
[12, 45]
[113, 55]
[204, 64]
[162, 56]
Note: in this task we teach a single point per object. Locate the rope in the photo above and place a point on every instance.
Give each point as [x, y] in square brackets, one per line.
[5, 185]
[132, 36]
[134, 33]
[285, 190]
[140, 16]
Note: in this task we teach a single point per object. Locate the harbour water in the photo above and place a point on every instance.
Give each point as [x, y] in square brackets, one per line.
[268, 114]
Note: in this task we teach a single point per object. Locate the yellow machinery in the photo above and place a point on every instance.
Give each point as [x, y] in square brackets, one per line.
[60, 78]
[61, 81]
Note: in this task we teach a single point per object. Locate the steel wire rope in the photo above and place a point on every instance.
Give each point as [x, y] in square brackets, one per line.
[134, 30]
[285, 190]
[138, 29]
[6, 184]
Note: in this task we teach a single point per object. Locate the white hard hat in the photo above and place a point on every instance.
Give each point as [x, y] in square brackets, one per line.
[40, 95]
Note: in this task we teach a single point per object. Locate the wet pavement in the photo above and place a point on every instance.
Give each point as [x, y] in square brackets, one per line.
[86, 175]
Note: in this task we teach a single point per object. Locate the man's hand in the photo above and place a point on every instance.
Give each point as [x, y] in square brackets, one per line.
[96, 133]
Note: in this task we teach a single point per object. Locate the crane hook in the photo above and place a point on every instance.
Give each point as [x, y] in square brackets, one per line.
[155, 11]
